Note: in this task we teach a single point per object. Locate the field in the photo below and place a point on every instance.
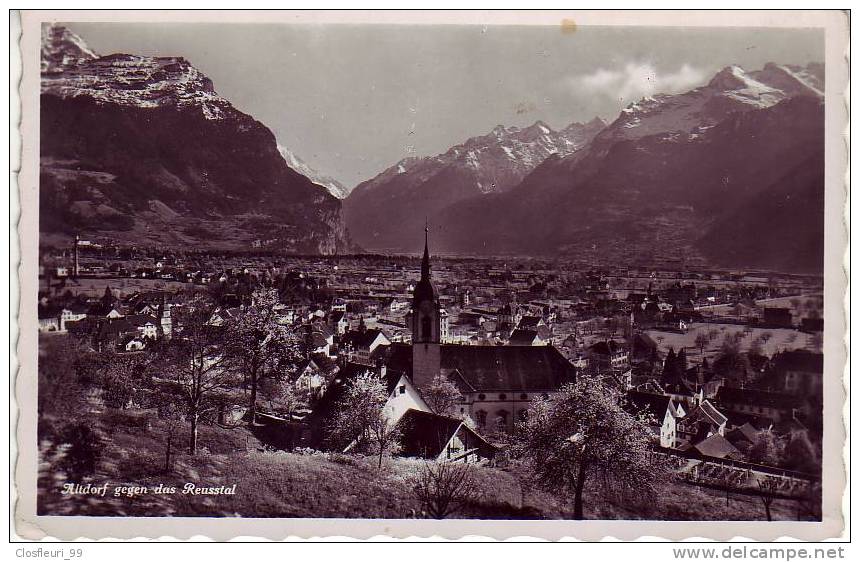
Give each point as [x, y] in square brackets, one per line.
[95, 287]
[770, 340]
[280, 484]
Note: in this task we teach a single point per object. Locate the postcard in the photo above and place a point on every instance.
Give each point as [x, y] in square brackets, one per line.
[428, 273]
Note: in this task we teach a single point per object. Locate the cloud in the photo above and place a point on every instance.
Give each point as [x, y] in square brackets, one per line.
[636, 80]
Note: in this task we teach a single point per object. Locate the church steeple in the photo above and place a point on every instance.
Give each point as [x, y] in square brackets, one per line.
[425, 261]
[426, 323]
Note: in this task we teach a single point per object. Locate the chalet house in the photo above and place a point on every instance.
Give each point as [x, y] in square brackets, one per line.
[360, 345]
[310, 378]
[664, 412]
[607, 356]
[441, 438]
[402, 397]
[702, 422]
[771, 405]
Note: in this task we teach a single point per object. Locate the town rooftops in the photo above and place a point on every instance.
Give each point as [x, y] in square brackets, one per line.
[492, 368]
[654, 404]
[752, 397]
[708, 413]
[610, 347]
[800, 360]
[361, 339]
[716, 446]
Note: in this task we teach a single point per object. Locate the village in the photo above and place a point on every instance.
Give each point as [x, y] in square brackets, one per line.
[442, 360]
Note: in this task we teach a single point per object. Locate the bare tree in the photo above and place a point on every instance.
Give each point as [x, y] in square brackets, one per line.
[172, 415]
[194, 363]
[444, 487]
[360, 422]
[258, 345]
[767, 487]
[582, 433]
[702, 341]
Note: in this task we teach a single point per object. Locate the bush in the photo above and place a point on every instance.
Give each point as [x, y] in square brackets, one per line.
[84, 452]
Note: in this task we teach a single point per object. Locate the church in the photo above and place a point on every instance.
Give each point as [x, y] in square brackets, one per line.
[497, 382]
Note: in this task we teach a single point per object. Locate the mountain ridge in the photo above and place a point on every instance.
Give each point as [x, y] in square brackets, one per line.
[659, 181]
[144, 150]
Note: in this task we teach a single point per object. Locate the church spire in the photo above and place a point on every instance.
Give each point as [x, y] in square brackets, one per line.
[425, 261]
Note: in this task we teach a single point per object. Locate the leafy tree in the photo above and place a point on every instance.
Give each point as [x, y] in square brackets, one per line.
[84, 450]
[360, 422]
[257, 345]
[584, 434]
[441, 395]
[800, 454]
[767, 449]
[117, 379]
[194, 363]
[60, 386]
[444, 487]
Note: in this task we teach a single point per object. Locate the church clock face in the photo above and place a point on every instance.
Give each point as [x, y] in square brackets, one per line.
[427, 322]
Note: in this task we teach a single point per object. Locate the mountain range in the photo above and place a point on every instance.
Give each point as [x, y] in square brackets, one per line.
[143, 150]
[382, 212]
[730, 173]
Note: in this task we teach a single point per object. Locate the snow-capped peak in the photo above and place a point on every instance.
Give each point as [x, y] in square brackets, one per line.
[298, 165]
[731, 89]
[61, 48]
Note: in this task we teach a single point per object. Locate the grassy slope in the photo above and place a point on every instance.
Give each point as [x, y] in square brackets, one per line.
[293, 485]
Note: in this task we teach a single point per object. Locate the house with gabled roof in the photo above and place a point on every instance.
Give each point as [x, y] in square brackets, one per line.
[525, 337]
[701, 422]
[717, 446]
[360, 345]
[774, 406]
[402, 397]
[665, 414]
[441, 438]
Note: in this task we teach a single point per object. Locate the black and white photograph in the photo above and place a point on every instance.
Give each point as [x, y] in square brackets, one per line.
[410, 271]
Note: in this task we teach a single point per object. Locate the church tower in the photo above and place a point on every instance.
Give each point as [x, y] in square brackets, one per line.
[426, 324]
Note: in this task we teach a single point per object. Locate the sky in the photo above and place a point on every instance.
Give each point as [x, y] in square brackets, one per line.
[354, 100]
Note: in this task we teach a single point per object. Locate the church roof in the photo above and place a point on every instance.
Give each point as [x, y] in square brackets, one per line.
[497, 368]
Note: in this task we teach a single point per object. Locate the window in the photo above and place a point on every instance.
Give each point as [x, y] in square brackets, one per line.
[503, 396]
[425, 328]
[481, 397]
[524, 396]
[482, 418]
[402, 389]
